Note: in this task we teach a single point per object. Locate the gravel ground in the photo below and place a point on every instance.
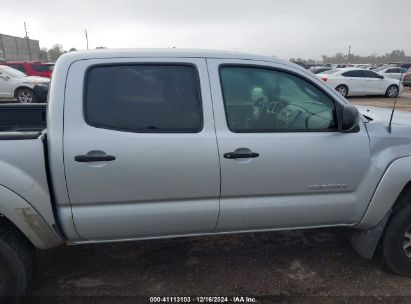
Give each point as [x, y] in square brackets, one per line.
[403, 103]
[315, 266]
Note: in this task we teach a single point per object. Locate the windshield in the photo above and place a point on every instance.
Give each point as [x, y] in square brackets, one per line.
[333, 71]
[11, 72]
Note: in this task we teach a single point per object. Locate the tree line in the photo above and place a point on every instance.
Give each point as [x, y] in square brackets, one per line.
[56, 51]
[394, 56]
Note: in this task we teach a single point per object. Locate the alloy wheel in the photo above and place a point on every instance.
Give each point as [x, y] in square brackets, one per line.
[392, 91]
[25, 97]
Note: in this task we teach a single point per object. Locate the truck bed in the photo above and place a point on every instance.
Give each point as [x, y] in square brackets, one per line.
[22, 120]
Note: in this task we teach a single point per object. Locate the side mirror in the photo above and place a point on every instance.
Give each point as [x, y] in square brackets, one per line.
[350, 118]
[5, 77]
[381, 77]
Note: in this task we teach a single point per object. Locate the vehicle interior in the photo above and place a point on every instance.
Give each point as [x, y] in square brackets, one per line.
[265, 100]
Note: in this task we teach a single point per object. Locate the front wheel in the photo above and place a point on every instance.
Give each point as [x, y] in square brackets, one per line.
[25, 95]
[16, 263]
[343, 90]
[396, 244]
[392, 91]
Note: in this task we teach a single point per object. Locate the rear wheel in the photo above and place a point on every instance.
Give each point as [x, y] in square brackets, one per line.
[16, 263]
[25, 95]
[392, 91]
[342, 89]
[396, 245]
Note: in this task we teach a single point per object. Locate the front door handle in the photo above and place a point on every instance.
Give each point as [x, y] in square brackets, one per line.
[94, 156]
[234, 155]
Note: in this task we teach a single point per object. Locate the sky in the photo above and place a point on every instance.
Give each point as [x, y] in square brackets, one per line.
[286, 28]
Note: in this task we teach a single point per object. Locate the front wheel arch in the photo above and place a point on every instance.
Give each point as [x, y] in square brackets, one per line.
[16, 91]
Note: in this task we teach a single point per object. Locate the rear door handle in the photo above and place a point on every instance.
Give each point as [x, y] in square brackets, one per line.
[234, 155]
[94, 156]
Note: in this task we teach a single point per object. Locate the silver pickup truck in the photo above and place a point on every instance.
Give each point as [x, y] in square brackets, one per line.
[144, 144]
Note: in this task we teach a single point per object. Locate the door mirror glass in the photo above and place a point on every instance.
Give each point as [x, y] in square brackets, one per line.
[350, 119]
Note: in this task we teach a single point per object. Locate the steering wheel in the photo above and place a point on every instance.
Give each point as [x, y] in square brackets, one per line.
[255, 112]
[289, 114]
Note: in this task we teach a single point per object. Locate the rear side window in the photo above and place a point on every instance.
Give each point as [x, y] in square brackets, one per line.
[42, 67]
[144, 98]
[370, 74]
[356, 73]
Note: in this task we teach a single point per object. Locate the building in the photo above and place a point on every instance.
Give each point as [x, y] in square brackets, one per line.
[16, 48]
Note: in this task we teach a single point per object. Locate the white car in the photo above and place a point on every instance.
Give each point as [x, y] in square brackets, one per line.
[360, 82]
[393, 72]
[16, 84]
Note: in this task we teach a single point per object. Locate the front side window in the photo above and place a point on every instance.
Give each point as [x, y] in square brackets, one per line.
[266, 100]
[355, 73]
[144, 98]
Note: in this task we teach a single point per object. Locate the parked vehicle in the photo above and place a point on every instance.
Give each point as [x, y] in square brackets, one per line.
[359, 82]
[393, 72]
[16, 84]
[404, 65]
[318, 70]
[32, 68]
[362, 66]
[170, 143]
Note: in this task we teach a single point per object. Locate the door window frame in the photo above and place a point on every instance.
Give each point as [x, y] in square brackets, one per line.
[286, 71]
[84, 95]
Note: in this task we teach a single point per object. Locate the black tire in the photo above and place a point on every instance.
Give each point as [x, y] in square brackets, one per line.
[392, 91]
[16, 263]
[395, 252]
[342, 89]
[25, 95]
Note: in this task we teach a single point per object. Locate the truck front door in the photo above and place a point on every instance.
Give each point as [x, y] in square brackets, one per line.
[283, 161]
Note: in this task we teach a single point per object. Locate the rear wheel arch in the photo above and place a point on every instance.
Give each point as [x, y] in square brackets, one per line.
[17, 260]
[388, 92]
[341, 87]
[24, 217]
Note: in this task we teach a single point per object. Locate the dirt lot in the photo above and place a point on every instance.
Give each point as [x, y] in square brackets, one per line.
[403, 103]
[316, 266]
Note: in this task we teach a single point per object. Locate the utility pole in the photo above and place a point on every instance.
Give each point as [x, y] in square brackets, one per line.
[27, 39]
[85, 32]
[349, 53]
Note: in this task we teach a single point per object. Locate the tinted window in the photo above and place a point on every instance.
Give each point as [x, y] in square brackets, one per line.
[371, 74]
[264, 100]
[42, 67]
[355, 73]
[144, 98]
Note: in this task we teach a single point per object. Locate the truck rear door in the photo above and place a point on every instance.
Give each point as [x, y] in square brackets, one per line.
[140, 148]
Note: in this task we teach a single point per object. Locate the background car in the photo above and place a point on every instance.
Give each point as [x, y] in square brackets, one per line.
[16, 84]
[358, 82]
[393, 72]
[318, 70]
[32, 68]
